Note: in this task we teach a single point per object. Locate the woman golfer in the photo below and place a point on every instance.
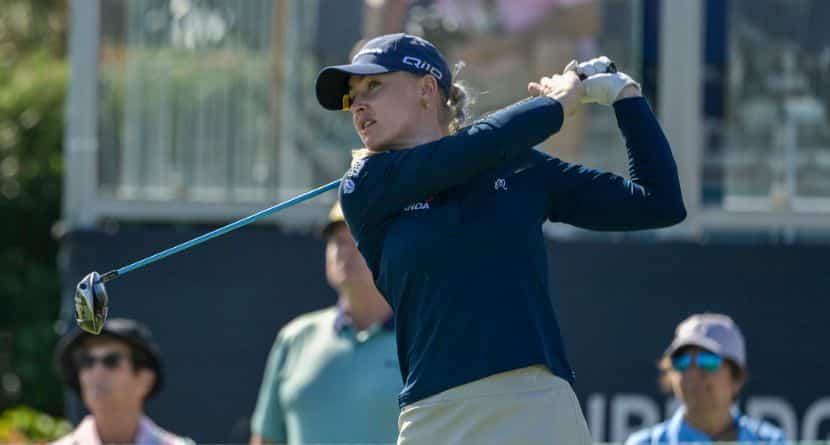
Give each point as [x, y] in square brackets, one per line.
[449, 219]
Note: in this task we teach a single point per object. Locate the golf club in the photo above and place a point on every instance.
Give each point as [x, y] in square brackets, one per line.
[91, 298]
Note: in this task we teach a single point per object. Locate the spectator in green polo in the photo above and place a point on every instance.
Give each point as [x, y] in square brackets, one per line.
[332, 375]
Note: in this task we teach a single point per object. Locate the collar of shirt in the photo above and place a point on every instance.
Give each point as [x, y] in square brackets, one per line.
[86, 433]
[148, 433]
[680, 431]
[343, 320]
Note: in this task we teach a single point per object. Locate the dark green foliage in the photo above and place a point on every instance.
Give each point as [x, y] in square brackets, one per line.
[25, 425]
[33, 82]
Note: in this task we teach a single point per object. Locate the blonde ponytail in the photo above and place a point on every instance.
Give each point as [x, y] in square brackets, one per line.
[456, 110]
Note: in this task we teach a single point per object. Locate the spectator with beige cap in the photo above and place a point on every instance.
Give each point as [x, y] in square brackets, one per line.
[705, 367]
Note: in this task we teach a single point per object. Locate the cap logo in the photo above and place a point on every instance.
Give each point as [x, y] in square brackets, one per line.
[420, 64]
[415, 40]
[365, 51]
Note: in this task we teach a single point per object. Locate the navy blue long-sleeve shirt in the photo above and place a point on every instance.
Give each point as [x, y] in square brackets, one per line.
[452, 231]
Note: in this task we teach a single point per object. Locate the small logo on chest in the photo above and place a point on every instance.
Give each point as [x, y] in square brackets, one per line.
[417, 206]
[500, 184]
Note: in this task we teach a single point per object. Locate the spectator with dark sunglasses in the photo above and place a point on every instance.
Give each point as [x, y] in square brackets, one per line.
[705, 368]
[114, 373]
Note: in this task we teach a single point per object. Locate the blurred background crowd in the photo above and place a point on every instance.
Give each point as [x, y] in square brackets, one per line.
[127, 126]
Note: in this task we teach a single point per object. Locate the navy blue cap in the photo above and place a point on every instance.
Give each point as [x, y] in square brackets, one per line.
[384, 54]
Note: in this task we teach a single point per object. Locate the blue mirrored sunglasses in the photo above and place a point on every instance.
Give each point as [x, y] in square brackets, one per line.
[706, 361]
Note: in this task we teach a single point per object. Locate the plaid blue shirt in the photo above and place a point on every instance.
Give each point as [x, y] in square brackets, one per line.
[676, 430]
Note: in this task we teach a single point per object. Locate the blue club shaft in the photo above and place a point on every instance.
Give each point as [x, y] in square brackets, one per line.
[111, 275]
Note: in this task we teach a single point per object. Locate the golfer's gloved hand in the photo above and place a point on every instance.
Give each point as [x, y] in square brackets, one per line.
[588, 68]
[601, 80]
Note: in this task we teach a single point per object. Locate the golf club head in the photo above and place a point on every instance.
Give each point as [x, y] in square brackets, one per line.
[91, 303]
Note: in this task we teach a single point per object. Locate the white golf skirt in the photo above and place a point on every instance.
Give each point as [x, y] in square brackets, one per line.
[523, 406]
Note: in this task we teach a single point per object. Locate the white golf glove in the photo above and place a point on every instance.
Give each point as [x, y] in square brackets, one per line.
[587, 69]
[601, 80]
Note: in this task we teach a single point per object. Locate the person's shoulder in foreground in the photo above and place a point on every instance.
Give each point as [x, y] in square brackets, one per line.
[303, 323]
